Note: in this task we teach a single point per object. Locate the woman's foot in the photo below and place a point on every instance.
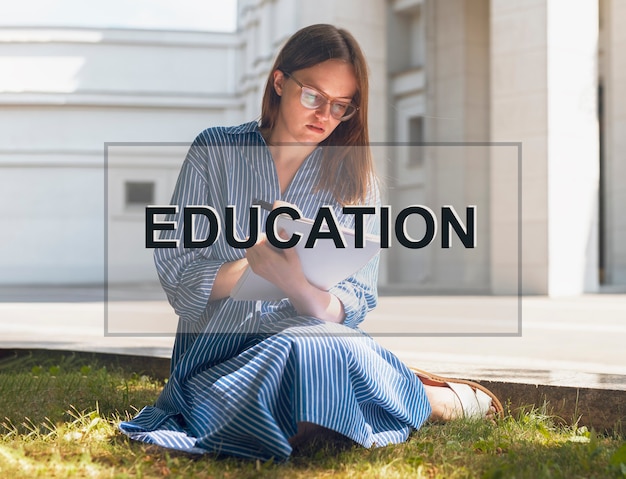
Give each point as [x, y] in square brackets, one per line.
[446, 404]
[309, 434]
[306, 432]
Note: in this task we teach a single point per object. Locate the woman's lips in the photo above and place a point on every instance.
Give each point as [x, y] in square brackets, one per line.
[316, 129]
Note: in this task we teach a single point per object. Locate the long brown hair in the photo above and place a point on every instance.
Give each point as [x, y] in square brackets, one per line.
[347, 172]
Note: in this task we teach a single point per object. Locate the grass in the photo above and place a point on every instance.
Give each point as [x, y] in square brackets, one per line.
[60, 415]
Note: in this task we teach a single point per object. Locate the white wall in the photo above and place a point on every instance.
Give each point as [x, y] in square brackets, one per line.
[64, 93]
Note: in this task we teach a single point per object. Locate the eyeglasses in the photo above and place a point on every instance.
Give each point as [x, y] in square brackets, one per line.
[313, 99]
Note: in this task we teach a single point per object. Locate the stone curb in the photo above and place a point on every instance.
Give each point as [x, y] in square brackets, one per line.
[603, 410]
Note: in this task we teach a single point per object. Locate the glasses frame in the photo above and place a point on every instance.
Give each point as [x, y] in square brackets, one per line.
[329, 100]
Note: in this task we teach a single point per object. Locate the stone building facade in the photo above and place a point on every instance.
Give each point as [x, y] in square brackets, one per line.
[476, 82]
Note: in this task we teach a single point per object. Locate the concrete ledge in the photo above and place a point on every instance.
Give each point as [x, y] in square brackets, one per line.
[156, 367]
[604, 410]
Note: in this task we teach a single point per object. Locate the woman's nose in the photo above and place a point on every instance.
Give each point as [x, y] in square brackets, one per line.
[323, 111]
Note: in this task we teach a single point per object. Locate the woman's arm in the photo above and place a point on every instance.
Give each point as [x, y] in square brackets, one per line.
[311, 301]
[347, 302]
[358, 293]
[283, 268]
[189, 275]
[226, 278]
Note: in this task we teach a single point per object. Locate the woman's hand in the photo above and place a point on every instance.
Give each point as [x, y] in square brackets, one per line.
[282, 267]
[279, 266]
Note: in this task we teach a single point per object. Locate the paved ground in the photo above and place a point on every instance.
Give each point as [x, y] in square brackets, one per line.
[578, 341]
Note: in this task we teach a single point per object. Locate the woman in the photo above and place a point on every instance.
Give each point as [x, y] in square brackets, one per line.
[249, 378]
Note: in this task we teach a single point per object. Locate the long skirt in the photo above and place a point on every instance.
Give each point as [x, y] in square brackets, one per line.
[243, 393]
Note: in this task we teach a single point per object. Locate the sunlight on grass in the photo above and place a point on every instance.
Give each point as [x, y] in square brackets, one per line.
[61, 421]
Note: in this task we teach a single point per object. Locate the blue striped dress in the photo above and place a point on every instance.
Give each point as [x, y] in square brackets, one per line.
[244, 373]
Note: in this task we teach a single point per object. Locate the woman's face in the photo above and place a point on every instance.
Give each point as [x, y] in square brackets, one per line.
[296, 123]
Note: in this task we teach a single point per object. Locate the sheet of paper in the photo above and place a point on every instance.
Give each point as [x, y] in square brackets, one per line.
[324, 265]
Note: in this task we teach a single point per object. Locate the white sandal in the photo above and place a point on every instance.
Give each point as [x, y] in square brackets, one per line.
[476, 400]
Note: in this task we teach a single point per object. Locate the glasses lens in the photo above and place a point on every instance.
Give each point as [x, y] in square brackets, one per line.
[313, 99]
[310, 98]
[342, 111]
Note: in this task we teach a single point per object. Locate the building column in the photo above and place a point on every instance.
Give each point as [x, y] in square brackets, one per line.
[543, 94]
[457, 118]
[613, 74]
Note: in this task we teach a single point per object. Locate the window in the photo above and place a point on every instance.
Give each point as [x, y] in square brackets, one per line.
[138, 194]
[416, 136]
[405, 35]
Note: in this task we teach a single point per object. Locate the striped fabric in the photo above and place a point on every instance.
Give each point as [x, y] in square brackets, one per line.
[244, 373]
